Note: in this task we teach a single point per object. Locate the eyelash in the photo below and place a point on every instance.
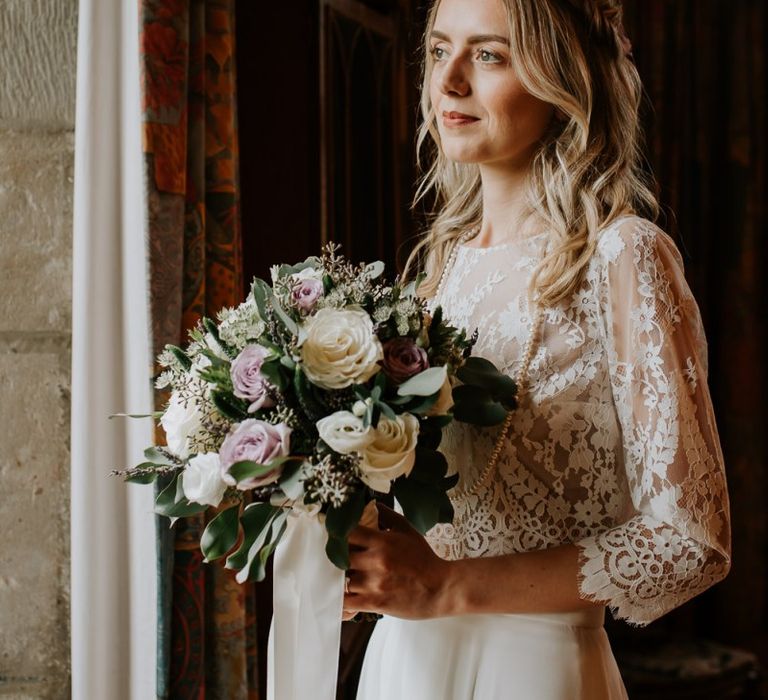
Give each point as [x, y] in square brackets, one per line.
[495, 56]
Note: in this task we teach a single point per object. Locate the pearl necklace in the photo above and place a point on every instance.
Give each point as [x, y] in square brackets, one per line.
[521, 379]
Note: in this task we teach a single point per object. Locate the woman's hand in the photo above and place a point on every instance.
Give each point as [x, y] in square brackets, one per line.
[394, 571]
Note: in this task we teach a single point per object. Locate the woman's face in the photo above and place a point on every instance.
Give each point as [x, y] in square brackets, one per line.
[473, 76]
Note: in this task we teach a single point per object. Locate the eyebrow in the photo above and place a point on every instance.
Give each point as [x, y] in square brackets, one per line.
[475, 39]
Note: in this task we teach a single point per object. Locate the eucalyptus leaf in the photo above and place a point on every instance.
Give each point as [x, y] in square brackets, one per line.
[254, 569]
[172, 503]
[424, 383]
[254, 521]
[374, 269]
[220, 534]
[247, 469]
[155, 456]
[290, 325]
[262, 293]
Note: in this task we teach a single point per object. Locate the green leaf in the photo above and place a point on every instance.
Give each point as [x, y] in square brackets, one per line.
[409, 290]
[386, 410]
[478, 371]
[374, 269]
[157, 414]
[424, 383]
[230, 406]
[337, 551]
[172, 503]
[247, 469]
[313, 410]
[155, 456]
[339, 522]
[290, 325]
[146, 478]
[263, 546]
[180, 355]
[220, 534]
[273, 374]
[422, 505]
[474, 405]
[290, 479]
[262, 292]
[430, 467]
[254, 521]
[287, 361]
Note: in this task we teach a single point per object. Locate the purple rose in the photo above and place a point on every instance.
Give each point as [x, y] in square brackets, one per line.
[306, 292]
[257, 441]
[403, 358]
[247, 379]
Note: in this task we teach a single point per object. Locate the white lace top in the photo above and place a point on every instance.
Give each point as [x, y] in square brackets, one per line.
[615, 447]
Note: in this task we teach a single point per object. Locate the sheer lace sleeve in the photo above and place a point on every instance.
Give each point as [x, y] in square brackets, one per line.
[677, 542]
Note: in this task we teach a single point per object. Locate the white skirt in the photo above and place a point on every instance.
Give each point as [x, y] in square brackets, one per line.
[551, 656]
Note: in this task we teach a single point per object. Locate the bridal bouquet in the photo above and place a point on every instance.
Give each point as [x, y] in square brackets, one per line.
[319, 392]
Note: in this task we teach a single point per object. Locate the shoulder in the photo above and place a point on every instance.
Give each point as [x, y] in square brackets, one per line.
[634, 240]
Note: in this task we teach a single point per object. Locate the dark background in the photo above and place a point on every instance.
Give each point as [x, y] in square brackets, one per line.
[327, 115]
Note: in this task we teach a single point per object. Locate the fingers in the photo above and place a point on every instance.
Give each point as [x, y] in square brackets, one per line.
[363, 536]
[393, 520]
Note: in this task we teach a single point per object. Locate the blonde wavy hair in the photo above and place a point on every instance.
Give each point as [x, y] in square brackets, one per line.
[588, 170]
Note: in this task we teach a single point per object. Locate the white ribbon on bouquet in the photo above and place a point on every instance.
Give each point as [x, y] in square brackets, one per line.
[308, 596]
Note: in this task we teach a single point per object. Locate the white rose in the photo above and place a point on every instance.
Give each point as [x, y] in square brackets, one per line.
[181, 420]
[444, 400]
[344, 432]
[201, 480]
[392, 452]
[340, 347]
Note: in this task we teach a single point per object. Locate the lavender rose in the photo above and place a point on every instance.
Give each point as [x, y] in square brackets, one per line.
[307, 289]
[247, 380]
[257, 441]
[403, 359]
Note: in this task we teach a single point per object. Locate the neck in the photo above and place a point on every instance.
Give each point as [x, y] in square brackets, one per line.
[506, 214]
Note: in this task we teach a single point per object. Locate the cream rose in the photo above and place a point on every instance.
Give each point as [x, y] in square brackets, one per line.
[344, 432]
[340, 347]
[392, 452]
[201, 480]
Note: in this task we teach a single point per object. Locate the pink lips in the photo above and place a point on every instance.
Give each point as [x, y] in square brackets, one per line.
[458, 119]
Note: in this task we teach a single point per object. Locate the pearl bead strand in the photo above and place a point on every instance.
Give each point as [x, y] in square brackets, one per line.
[521, 380]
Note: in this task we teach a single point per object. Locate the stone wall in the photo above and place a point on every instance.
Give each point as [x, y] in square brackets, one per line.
[37, 106]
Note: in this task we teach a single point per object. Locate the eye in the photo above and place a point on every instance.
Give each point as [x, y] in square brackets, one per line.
[437, 52]
[487, 56]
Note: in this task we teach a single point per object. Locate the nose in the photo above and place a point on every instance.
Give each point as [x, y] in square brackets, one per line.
[453, 79]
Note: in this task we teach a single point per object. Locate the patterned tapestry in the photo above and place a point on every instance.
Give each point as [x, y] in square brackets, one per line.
[207, 646]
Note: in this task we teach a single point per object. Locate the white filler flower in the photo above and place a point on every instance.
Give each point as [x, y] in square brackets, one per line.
[201, 480]
[340, 347]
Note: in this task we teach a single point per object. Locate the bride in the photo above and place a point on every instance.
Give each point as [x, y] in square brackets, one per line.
[606, 487]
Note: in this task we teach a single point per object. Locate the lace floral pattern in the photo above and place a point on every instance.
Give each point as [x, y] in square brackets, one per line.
[616, 449]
